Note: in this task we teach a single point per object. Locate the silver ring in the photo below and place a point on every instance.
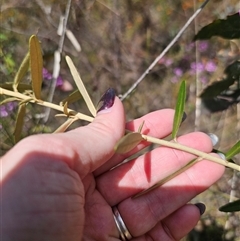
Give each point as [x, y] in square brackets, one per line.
[123, 231]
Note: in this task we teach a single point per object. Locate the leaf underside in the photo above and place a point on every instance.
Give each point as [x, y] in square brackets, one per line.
[128, 142]
[19, 122]
[36, 65]
[23, 69]
[81, 86]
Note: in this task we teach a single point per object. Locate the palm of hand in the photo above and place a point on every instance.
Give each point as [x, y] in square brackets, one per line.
[50, 197]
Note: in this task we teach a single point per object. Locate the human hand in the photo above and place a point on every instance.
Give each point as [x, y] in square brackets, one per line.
[59, 187]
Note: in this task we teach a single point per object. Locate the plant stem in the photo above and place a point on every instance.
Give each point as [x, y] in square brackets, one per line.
[45, 103]
[192, 151]
[145, 137]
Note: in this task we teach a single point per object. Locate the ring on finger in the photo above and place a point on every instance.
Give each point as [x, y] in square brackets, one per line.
[121, 226]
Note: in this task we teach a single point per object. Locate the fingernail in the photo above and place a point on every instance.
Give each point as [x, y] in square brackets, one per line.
[222, 156]
[107, 100]
[184, 117]
[213, 138]
[201, 207]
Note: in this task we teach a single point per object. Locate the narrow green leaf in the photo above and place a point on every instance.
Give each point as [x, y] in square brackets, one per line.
[128, 142]
[140, 127]
[233, 151]
[23, 69]
[73, 97]
[65, 125]
[179, 111]
[19, 122]
[36, 65]
[81, 86]
[231, 207]
[169, 177]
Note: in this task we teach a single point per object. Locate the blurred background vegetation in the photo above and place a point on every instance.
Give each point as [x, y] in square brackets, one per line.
[118, 40]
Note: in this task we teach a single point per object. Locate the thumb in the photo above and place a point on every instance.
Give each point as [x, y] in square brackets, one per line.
[94, 143]
[83, 149]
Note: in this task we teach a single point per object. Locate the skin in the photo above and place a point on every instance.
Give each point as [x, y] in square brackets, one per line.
[58, 187]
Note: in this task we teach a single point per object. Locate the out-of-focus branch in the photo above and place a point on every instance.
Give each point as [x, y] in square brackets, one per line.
[164, 51]
[57, 57]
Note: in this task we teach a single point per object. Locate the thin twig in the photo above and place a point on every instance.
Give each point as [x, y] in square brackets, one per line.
[45, 103]
[193, 151]
[57, 60]
[151, 139]
[198, 85]
[164, 51]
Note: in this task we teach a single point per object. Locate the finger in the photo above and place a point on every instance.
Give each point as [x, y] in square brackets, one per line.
[97, 140]
[157, 124]
[141, 173]
[175, 226]
[143, 213]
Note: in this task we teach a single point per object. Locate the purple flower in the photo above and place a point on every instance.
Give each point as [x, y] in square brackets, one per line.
[7, 108]
[3, 111]
[197, 66]
[59, 81]
[168, 62]
[210, 66]
[189, 47]
[11, 105]
[203, 46]
[178, 72]
[46, 74]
